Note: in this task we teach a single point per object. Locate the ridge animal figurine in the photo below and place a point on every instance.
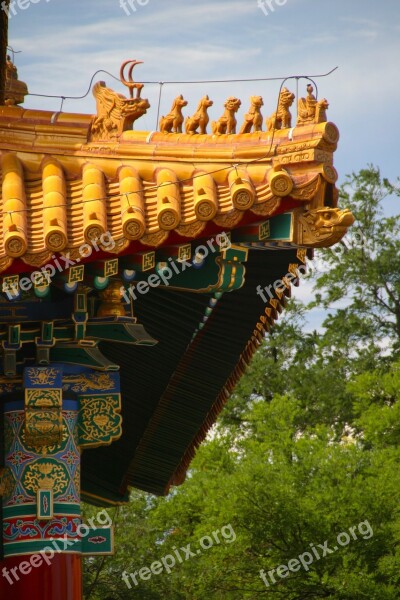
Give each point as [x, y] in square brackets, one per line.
[253, 119]
[115, 112]
[282, 118]
[310, 110]
[227, 123]
[200, 117]
[174, 120]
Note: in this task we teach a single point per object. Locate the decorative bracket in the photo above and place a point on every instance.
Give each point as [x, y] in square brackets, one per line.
[100, 423]
[43, 406]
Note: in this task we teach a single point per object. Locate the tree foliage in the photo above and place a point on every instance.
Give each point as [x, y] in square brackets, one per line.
[365, 267]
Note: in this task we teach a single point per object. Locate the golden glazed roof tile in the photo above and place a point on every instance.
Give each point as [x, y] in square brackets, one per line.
[69, 178]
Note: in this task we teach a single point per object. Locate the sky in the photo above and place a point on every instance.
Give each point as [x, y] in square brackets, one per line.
[64, 42]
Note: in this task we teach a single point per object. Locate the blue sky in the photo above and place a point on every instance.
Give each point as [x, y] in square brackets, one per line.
[63, 42]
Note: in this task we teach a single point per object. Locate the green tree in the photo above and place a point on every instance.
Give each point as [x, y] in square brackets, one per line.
[364, 269]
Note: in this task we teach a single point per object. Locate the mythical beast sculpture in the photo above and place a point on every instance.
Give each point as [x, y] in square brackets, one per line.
[174, 119]
[282, 118]
[253, 119]
[310, 110]
[323, 227]
[115, 112]
[227, 123]
[200, 117]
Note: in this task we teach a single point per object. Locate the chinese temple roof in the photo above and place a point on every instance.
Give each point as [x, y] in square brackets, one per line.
[72, 181]
[146, 188]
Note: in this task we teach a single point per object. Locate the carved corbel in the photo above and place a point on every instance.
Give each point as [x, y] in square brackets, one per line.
[321, 227]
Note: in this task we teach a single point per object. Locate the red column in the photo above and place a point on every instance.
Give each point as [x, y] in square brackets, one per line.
[59, 580]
